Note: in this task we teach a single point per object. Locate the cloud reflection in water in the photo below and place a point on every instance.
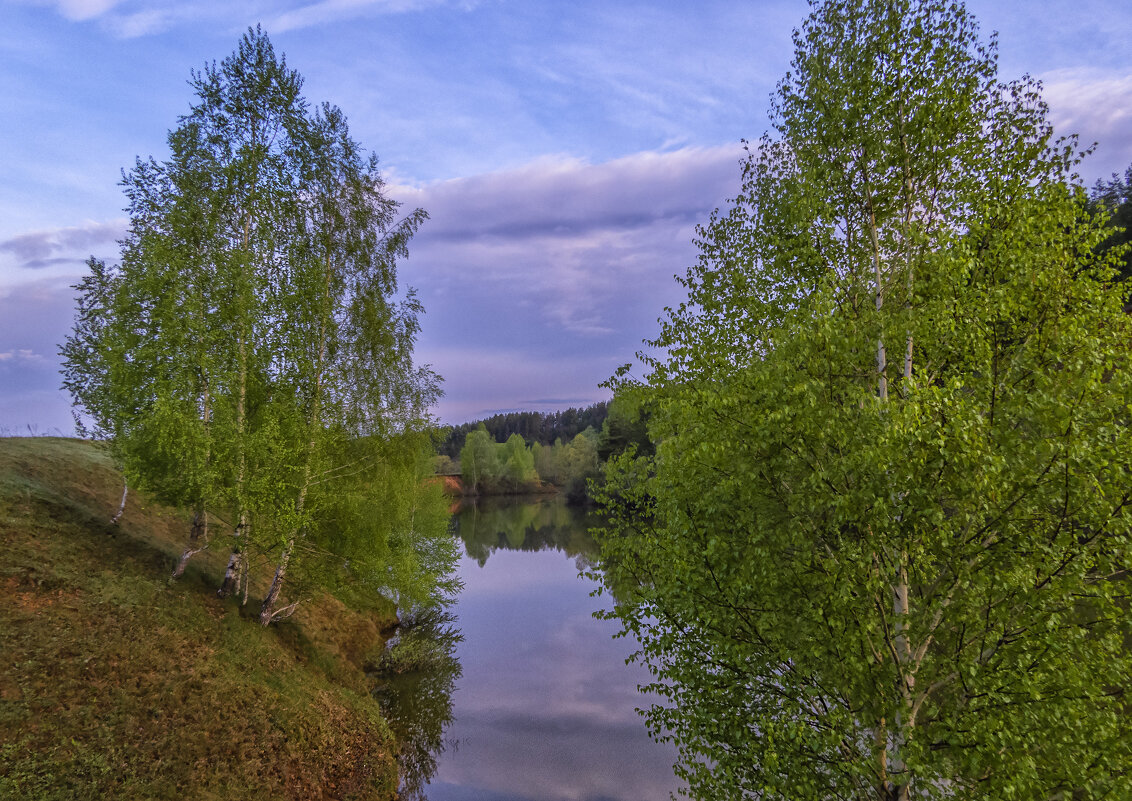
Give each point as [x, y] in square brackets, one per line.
[545, 710]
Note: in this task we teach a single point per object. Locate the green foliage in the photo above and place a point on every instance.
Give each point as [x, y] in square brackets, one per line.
[512, 468]
[579, 464]
[478, 461]
[518, 463]
[857, 579]
[626, 426]
[385, 527]
[445, 465]
[570, 465]
[251, 355]
[1112, 200]
[569, 462]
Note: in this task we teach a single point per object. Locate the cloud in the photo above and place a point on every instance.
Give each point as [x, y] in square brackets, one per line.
[481, 378]
[563, 196]
[38, 249]
[34, 318]
[567, 261]
[648, 67]
[82, 10]
[140, 23]
[539, 280]
[328, 11]
[21, 355]
[575, 244]
[128, 19]
[1098, 105]
[562, 402]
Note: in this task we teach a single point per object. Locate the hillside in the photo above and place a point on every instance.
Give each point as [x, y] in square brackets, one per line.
[115, 683]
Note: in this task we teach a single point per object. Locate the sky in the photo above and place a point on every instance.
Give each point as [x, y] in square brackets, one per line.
[565, 152]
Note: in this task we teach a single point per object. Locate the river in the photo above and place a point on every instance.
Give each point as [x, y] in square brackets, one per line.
[532, 699]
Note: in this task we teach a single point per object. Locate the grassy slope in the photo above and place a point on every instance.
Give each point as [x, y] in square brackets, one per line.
[115, 683]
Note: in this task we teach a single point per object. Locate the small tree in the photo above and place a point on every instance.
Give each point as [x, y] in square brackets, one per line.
[519, 463]
[858, 576]
[580, 464]
[478, 459]
[548, 462]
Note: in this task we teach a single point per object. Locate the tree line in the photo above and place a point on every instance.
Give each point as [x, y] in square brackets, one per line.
[494, 466]
[513, 467]
[250, 358]
[541, 427]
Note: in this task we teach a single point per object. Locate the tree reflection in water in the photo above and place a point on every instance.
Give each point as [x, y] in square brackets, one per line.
[533, 524]
[419, 670]
[416, 675]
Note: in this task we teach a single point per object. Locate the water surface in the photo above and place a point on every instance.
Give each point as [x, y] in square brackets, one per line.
[544, 709]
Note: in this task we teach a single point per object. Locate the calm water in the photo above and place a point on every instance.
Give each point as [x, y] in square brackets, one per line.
[535, 702]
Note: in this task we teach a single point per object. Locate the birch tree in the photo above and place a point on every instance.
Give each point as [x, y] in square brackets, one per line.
[862, 579]
[349, 340]
[148, 393]
[251, 357]
[478, 460]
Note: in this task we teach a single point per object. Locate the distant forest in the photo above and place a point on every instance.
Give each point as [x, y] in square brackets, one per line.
[531, 426]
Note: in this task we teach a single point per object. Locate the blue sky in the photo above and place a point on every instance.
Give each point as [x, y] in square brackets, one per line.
[565, 151]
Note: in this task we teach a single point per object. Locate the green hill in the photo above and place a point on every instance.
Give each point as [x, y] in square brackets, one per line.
[115, 683]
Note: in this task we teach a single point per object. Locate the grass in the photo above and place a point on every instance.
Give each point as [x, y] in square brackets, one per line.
[116, 683]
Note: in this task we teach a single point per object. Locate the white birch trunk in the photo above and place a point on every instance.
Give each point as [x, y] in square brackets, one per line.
[198, 533]
[198, 540]
[267, 611]
[121, 505]
[236, 568]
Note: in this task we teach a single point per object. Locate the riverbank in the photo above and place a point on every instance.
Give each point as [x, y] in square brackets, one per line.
[115, 683]
[456, 487]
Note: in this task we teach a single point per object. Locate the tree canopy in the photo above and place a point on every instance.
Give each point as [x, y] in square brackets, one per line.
[880, 551]
[251, 355]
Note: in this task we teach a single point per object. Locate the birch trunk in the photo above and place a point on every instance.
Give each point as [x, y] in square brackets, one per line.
[121, 505]
[198, 533]
[198, 536]
[267, 611]
[894, 782]
[906, 679]
[880, 742]
[237, 567]
[236, 560]
[905, 719]
[882, 378]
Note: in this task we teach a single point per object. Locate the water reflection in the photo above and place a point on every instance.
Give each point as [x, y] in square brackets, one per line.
[526, 524]
[416, 676]
[545, 707]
